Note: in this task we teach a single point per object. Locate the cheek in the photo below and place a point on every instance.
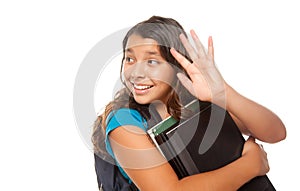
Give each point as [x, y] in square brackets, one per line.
[125, 75]
[126, 71]
[166, 76]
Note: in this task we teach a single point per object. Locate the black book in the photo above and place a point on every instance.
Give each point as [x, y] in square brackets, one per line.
[206, 140]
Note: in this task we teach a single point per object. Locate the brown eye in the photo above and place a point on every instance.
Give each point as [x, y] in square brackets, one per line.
[128, 60]
[153, 62]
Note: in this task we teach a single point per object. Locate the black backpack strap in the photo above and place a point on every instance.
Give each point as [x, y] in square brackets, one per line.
[104, 171]
[109, 176]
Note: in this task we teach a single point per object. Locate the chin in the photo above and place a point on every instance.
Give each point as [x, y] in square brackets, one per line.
[141, 101]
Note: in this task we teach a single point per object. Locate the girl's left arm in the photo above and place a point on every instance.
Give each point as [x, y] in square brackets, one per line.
[254, 119]
[207, 84]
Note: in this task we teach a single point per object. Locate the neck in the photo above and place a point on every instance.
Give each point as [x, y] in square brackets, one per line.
[161, 109]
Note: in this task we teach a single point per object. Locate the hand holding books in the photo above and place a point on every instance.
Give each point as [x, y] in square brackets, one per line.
[179, 141]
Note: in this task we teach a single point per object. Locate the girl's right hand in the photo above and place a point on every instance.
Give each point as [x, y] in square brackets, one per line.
[257, 156]
[205, 81]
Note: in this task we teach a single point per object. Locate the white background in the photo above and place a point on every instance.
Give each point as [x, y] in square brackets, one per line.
[43, 43]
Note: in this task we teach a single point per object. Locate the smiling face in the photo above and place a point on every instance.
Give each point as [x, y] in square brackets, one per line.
[147, 74]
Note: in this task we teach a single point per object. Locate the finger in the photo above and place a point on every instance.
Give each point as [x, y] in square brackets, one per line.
[185, 63]
[261, 146]
[199, 46]
[250, 138]
[189, 48]
[210, 47]
[187, 83]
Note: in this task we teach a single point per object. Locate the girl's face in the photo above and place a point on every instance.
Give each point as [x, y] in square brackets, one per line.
[148, 76]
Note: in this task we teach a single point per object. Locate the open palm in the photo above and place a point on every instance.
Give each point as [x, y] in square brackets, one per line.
[206, 82]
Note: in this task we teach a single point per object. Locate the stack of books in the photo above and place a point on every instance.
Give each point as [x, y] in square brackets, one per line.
[206, 140]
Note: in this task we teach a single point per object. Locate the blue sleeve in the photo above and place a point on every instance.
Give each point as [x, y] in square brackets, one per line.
[121, 117]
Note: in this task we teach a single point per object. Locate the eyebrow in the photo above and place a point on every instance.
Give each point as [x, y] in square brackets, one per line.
[155, 53]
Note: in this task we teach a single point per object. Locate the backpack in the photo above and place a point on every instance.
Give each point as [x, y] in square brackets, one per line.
[109, 177]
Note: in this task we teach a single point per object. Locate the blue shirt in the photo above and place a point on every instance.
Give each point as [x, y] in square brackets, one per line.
[121, 117]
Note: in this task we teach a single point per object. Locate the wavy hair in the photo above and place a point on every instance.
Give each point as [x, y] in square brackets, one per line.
[165, 31]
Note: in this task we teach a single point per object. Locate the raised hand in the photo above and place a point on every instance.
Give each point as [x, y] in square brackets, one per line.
[206, 82]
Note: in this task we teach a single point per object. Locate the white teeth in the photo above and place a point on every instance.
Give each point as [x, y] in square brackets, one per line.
[141, 87]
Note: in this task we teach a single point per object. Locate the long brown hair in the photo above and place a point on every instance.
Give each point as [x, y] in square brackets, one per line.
[165, 31]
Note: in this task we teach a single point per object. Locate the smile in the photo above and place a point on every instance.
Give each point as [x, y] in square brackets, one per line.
[141, 87]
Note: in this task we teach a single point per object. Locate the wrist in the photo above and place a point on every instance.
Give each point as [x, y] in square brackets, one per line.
[220, 97]
[231, 97]
[249, 167]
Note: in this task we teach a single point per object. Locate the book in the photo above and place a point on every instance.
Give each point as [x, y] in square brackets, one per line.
[206, 140]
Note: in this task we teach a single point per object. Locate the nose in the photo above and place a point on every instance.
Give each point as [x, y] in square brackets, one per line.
[138, 70]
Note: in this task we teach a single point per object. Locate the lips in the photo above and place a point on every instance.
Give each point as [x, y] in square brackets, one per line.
[142, 87]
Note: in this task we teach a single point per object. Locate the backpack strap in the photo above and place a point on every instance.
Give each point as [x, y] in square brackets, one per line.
[109, 177]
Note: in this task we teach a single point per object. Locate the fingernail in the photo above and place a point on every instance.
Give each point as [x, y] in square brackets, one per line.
[181, 36]
[172, 50]
[193, 33]
[210, 41]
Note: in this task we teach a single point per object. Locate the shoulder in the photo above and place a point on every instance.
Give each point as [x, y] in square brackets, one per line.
[124, 112]
[125, 116]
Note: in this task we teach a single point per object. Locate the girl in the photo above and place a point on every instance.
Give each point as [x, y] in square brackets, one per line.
[161, 69]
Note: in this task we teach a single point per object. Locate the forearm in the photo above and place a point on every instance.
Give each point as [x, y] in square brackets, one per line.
[259, 121]
[227, 178]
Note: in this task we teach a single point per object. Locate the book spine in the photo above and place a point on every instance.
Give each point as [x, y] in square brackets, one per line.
[172, 156]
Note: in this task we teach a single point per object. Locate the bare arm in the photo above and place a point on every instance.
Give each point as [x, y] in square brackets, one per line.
[150, 171]
[207, 84]
[253, 118]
